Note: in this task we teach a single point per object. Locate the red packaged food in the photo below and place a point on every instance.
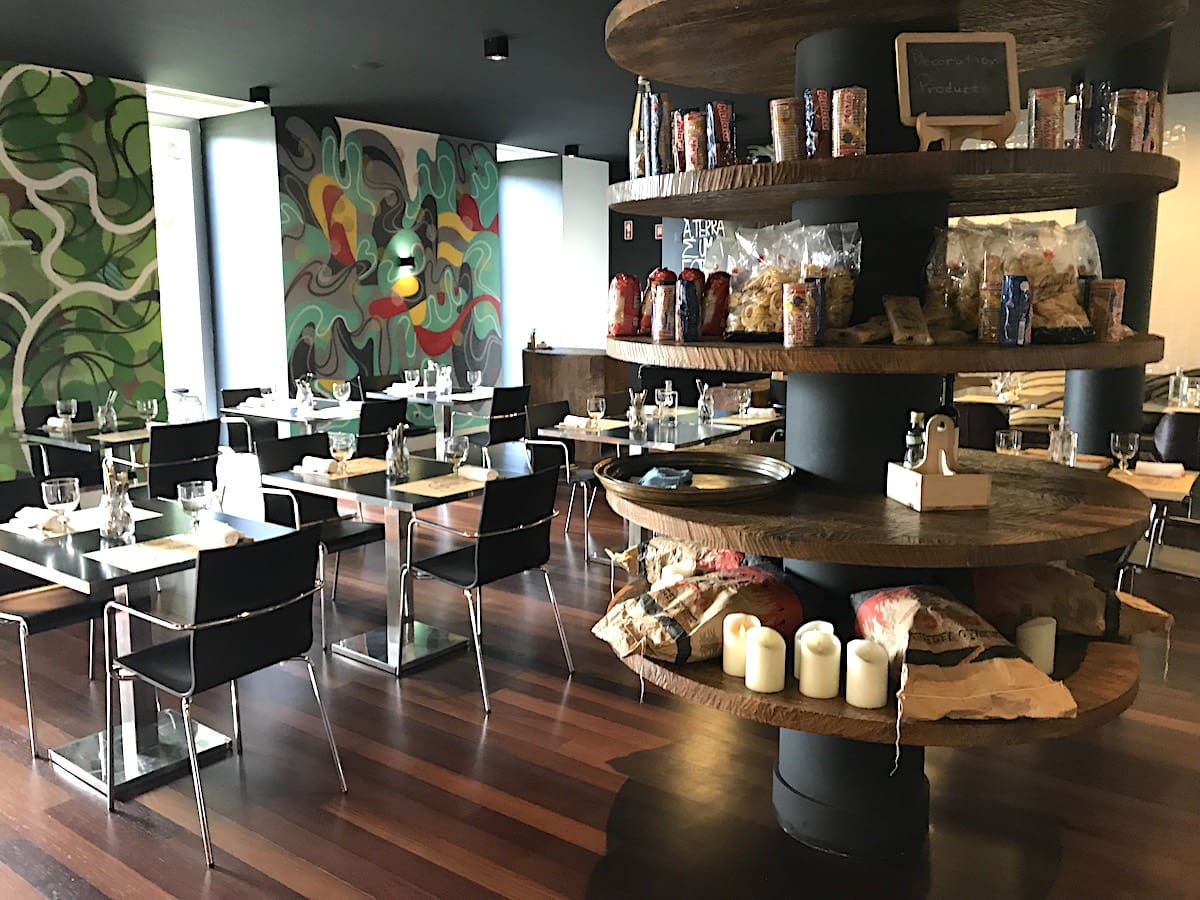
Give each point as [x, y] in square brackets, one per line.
[658, 276]
[714, 307]
[695, 275]
[624, 305]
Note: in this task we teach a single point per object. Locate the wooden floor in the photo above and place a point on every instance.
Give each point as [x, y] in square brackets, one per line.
[571, 787]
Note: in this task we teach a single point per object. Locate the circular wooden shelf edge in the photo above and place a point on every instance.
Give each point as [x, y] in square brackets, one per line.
[976, 182]
[1104, 685]
[876, 359]
[1040, 512]
[749, 47]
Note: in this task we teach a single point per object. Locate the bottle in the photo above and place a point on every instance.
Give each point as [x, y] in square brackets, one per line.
[637, 132]
[946, 407]
[397, 454]
[1177, 394]
[914, 439]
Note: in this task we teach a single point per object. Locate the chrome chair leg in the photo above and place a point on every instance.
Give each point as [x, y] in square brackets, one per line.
[337, 760]
[92, 650]
[588, 511]
[237, 717]
[109, 755]
[562, 633]
[337, 562]
[487, 706]
[321, 596]
[570, 507]
[24, 636]
[479, 613]
[186, 704]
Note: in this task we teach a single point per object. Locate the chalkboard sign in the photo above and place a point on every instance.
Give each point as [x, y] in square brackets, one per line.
[962, 78]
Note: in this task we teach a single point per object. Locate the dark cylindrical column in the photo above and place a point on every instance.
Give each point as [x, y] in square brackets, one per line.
[1101, 401]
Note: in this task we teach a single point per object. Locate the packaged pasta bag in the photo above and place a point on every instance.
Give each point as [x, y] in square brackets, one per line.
[756, 302]
[964, 270]
[1042, 252]
[994, 248]
[843, 277]
[940, 290]
[822, 259]
[1081, 243]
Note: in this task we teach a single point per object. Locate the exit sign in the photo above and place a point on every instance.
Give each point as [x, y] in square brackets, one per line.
[658, 232]
[629, 229]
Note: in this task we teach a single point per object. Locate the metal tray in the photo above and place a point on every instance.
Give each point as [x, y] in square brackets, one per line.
[716, 477]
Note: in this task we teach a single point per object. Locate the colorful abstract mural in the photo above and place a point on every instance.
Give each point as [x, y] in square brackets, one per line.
[390, 249]
[79, 302]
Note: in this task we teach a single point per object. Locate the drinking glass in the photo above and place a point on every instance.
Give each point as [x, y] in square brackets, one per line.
[595, 408]
[61, 495]
[1193, 393]
[267, 393]
[457, 446]
[66, 410]
[341, 447]
[147, 410]
[194, 497]
[1124, 446]
[474, 378]
[743, 399]
[660, 396]
[1008, 442]
[341, 391]
[412, 377]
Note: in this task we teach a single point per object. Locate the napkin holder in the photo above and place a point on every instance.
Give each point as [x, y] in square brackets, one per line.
[936, 483]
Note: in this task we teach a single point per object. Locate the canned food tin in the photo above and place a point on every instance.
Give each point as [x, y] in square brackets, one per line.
[1047, 111]
[850, 121]
[804, 313]
[787, 114]
[695, 141]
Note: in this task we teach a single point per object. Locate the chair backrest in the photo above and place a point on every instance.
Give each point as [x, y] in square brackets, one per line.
[367, 384]
[616, 405]
[547, 415]
[244, 579]
[506, 421]
[23, 491]
[186, 451]
[1177, 439]
[237, 396]
[376, 418]
[509, 504]
[260, 429]
[283, 454]
[62, 462]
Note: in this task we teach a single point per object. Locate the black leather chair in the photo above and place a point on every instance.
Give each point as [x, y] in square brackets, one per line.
[550, 453]
[361, 385]
[58, 462]
[513, 536]
[297, 509]
[245, 434]
[506, 420]
[33, 605]
[374, 421]
[185, 451]
[253, 609]
[1177, 439]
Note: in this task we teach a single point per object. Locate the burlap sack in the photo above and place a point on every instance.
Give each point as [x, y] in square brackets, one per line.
[665, 551]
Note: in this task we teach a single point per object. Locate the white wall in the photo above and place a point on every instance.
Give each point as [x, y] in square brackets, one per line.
[581, 316]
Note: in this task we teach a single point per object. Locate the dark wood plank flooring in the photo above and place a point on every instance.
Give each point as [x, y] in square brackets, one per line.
[571, 787]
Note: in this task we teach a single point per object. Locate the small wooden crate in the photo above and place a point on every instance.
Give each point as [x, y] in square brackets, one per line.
[922, 492]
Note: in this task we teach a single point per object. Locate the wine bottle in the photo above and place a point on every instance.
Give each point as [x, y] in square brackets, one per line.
[946, 407]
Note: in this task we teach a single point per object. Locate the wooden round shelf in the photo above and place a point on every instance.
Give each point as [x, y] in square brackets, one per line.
[749, 47]
[977, 182]
[1040, 512]
[888, 359]
[1104, 682]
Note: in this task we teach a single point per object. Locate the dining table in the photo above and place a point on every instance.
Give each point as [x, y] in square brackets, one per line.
[443, 405]
[87, 438]
[405, 642]
[288, 412]
[150, 745]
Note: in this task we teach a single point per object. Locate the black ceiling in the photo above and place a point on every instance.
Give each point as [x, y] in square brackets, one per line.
[558, 87]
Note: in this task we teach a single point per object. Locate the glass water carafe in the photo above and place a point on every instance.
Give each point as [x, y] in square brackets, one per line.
[397, 454]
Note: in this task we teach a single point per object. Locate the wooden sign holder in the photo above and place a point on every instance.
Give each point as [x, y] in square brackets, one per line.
[935, 483]
[953, 130]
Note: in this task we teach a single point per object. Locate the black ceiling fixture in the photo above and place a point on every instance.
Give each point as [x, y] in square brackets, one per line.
[260, 93]
[495, 47]
[571, 150]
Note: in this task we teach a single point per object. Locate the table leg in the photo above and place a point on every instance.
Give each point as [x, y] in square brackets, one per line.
[149, 745]
[443, 416]
[401, 645]
[633, 533]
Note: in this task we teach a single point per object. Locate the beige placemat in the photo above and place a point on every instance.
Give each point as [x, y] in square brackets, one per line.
[748, 421]
[364, 466]
[133, 434]
[164, 551]
[1157, 488]
[605, 425]
[439, 486]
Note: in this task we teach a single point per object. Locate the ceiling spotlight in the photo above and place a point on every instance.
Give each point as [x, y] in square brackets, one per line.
[571, 150]
[496, 47]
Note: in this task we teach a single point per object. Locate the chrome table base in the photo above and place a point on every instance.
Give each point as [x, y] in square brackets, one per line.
[422, 644]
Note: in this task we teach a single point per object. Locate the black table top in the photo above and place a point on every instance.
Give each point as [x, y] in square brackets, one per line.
[62, 560]
[86, 438]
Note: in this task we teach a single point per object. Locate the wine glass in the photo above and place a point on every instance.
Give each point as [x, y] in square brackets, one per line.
[596, 407]
[267, 393]
[147, 410]
[1008, 442]
[412, 377]
[743, 400]
[474, 379]
[195, 497]
[457, 446]
[341, 391]
[342, 445]
[67, 410]
[1124, 446]
[61, 495]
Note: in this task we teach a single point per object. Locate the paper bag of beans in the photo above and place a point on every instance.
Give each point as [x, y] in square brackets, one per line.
[952, 663]
[624, 306]
[659, 276]
[663, 551]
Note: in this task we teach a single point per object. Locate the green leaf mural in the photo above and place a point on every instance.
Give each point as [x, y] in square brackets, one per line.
[79, 303]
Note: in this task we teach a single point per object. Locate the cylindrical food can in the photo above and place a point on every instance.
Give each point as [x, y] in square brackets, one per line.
[787, 114]
[1015, 311]
[1047, 112]
[818, 124]
[687, 310]
[850, 121]
[804, 313]
[1106, 306]
[1127, 119]
[695, 141]
[662, 312]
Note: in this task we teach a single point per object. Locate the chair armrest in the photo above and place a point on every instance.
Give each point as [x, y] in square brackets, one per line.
[472, 535]
[438, 526]
[545, 442]
[171, 625]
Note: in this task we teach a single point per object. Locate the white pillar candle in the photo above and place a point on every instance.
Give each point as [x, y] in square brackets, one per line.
[815, 625]
[1035, 639]
[820, 672]
[733, 642]
[766, 660]
[866, 675]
